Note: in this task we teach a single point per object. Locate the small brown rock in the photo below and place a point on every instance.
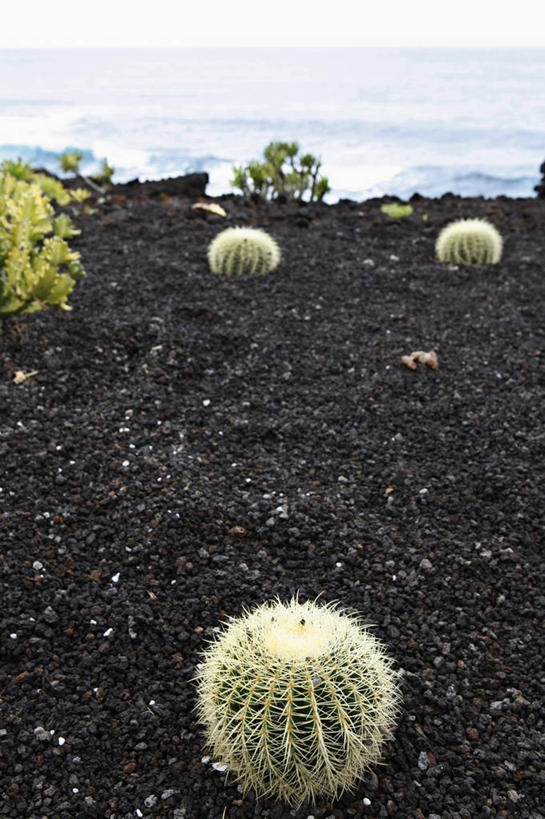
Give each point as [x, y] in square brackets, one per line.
[409, 362]
[238, 531]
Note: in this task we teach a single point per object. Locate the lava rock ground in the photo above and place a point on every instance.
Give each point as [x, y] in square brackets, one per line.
[191, 445]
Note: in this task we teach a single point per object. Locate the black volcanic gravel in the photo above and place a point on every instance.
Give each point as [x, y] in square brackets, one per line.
[192, 445]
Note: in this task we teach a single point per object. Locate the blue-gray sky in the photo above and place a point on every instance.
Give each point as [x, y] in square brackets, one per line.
[186, 23]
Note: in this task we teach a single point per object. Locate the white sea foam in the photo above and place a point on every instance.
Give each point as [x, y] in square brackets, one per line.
[383, 120]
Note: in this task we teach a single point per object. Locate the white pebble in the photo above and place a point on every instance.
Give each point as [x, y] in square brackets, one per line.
[61, 740]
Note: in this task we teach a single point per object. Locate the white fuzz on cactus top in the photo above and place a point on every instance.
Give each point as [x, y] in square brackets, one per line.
[297, 700]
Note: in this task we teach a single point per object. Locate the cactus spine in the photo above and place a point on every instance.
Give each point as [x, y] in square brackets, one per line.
[297, 699]
[469, 241]
[243, 250]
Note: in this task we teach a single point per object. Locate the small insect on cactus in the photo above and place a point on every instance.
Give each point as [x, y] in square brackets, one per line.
[240, 250]
[469, 241]
[297, 700]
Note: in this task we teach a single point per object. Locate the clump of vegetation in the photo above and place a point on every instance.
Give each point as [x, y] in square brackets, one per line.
[240, 250]
[297, 700]
[37, 267]
[51, 187]
[283, 172]
[469, 241]
[397, 210]
[69, 162]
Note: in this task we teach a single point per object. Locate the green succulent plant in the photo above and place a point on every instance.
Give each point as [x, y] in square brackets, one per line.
[469, 241]
[17, 168]
[69, 162]
[297, 700]
[37, 270]
[53, 188]
[282, 172]
[240, 250]
[397, 210]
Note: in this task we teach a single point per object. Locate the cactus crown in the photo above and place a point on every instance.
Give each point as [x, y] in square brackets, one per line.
[297, 699]
[469, 241]
[240, 250]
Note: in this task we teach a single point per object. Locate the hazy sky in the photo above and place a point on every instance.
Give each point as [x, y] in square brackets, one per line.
[183, 23]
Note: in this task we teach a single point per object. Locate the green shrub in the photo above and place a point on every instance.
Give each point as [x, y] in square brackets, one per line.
[37, 270]
[469, 241]
[297, 700]
[18, 169]
[397, 210]
[283, 172]
[69, 162]
[53, 188]
[240, 250]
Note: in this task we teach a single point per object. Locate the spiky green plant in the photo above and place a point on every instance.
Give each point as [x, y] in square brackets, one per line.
[240, 250]
[282, 173]
[51, 187]
[18, 169]
[397, 210]
[297, 700]
[69, 162]
[469, 241]
[37, 270]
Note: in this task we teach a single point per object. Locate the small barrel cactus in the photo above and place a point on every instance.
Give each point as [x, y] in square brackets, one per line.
[243, 250]
[297, 700]
[469, 241]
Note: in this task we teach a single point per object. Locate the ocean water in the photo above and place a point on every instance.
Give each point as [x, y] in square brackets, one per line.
[383, 120]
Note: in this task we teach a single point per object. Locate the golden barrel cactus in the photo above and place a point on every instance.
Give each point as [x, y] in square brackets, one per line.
[297, 700]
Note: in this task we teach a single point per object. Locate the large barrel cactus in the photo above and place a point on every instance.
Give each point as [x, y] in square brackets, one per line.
[469, 241]
[297, 700]
[240, 250]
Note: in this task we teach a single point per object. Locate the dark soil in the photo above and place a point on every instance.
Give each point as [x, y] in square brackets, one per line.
[191, 445]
